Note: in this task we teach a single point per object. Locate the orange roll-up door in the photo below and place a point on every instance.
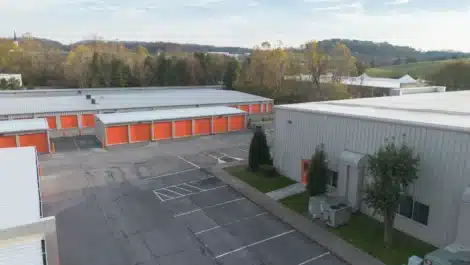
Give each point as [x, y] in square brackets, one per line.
[245, 108]
[220, 124]
[237, 123]
[162, 130]
[38, 140]
[88, 120]
[202, 126]
[51, 122]
[256, 108]
[304, 164]
[140, 132]
[117, 135]
[183, 128]
[68, 121]
[7, 141]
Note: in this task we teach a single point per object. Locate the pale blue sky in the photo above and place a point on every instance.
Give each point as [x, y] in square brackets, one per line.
[424, 24]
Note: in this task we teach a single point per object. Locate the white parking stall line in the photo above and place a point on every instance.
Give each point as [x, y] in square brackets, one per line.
[244, 150]
[215, 188]
[254, 244]
[180, 188]
[236, 158]
[315, 258]
[208, 207]
[191, 186]
[160, 195]
[194, 181]
[189, 162]
[172, 191]
[175, 173]
[229, 223]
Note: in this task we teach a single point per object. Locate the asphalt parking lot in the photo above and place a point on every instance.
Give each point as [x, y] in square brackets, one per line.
[75, 143]
[158, 205]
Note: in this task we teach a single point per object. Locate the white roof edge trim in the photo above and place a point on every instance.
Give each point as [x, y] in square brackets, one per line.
[383, 120]
[24, 125]
[167, 114]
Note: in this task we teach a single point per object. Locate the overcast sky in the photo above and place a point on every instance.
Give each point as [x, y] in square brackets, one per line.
[423, 24]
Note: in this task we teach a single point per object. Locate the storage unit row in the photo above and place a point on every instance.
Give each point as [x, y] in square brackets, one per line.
[133, 127]
[27, 132]
[83, 120]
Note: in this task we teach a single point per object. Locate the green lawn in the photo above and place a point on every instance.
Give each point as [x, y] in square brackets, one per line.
[367, 234]
[259, 180]
[416, 70]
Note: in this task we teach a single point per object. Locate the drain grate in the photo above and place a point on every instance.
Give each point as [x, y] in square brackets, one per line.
[227, 159]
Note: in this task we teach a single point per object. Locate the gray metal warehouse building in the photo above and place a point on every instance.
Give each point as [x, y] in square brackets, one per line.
[436, 125]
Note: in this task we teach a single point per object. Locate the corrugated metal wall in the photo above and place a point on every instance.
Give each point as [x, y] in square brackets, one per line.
[444, 171]
[100, 131]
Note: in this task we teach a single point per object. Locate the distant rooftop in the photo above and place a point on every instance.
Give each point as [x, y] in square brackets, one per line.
[447, 110]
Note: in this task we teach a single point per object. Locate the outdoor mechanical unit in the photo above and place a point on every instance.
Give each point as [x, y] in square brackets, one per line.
[336, 215]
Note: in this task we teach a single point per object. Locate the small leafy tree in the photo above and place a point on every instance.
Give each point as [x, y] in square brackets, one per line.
[317, 173]
[392, 168]
[259, 151]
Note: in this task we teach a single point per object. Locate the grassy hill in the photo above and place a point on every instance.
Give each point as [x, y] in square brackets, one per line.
[417, 70]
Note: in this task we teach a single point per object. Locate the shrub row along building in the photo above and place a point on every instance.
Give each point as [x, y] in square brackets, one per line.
[69, 115]
[435, 125]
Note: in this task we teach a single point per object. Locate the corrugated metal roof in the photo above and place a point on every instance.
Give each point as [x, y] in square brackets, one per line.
[19, 191]
[446, 110]
[169, 114]
[154, 99]
[26, 251]
[12, 126]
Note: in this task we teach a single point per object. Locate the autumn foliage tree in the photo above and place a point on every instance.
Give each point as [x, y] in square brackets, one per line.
[392, 168]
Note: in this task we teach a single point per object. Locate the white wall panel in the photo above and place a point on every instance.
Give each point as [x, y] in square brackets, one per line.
[444, 170]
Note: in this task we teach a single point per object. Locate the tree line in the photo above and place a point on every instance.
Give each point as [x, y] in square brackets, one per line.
[102, 64]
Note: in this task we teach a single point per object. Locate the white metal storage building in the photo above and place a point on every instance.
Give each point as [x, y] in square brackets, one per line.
[76, 113]
[145, 126]
[436, 125]
[24, 234]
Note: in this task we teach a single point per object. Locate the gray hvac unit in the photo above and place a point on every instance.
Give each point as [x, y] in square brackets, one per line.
[337, 214]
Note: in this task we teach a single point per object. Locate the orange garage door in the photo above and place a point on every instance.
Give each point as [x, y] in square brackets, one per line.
[162, 130]
[256, 108]
[39, 140]
[220, 124]
[88, 120]
[183, 128]
[7, 141]
[269, 107]
[140, 132]
[237, 123]
[245, 108]
[202, 126]
[68, 121]
[51, 121]
[117, 135]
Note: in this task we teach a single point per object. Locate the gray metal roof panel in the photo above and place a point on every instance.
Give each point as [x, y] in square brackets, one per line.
[161, 98]
[168, 114]
[23, 125]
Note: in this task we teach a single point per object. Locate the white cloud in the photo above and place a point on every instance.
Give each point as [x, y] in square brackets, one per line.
[399, 2]
[356, 5]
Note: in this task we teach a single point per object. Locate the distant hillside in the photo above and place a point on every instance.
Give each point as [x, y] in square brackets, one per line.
[372, 54]
[378, 54]
[417, 70]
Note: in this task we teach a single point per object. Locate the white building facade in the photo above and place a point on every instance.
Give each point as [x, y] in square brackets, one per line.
[436, 125]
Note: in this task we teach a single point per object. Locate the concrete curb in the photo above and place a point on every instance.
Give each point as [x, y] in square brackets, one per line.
[336, 245]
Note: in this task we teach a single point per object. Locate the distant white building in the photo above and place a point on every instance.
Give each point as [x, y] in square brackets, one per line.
[14, 76]
[365, 80]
